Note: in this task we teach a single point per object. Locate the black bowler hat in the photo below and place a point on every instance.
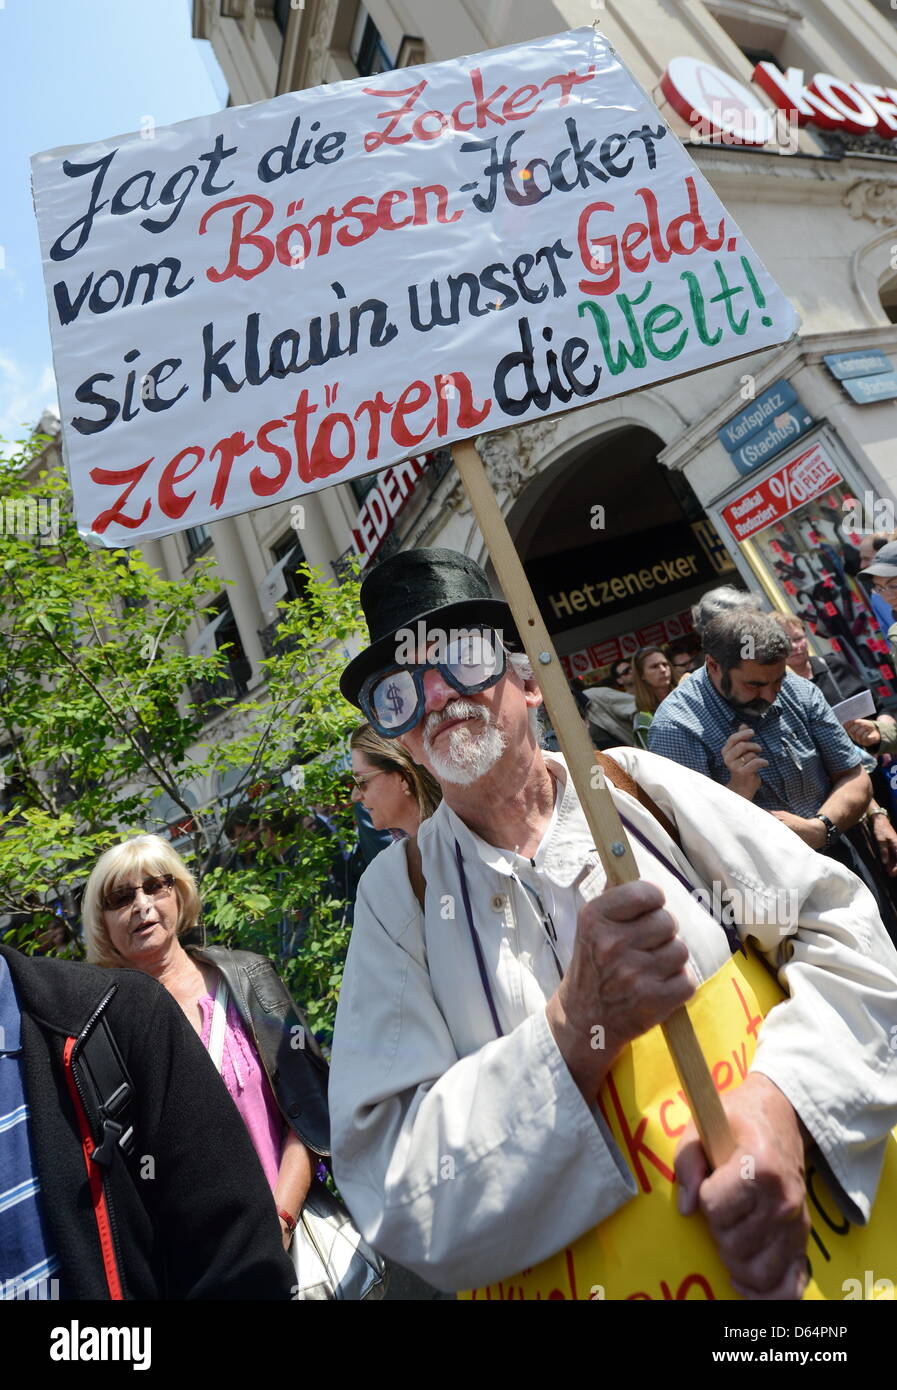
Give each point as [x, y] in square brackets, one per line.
[414, 586]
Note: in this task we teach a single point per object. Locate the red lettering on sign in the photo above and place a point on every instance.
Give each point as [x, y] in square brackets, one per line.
[753, 1020]
[112, 477]
[229, 449]
[635, 1143]
[741, 1062]
[375, 138]
[239, 239]
[669, 1131]
[172, 504]
[722, 1075]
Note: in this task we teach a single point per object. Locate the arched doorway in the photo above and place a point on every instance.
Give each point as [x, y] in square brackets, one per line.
[616, 547]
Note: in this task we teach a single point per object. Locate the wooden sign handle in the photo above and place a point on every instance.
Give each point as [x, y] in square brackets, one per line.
[597, 803]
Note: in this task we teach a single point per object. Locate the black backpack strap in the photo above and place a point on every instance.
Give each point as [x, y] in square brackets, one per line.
[108, 1092]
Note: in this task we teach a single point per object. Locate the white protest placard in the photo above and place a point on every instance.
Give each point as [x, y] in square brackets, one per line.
[253, 305]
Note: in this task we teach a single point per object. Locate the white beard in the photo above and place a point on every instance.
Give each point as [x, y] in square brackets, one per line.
[467, 753]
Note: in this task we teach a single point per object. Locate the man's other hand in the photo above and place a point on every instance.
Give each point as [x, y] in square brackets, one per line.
[886, 842]
[741, 756]
[755, 1204]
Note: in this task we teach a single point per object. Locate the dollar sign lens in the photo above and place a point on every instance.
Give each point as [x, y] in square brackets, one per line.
[394, 698]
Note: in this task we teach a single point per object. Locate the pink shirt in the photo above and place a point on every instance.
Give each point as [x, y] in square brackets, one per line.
[250, 1090]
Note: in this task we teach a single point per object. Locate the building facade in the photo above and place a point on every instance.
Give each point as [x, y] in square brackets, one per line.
[764, 471]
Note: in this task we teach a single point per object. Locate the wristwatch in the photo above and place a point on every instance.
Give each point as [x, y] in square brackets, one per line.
[832, 831]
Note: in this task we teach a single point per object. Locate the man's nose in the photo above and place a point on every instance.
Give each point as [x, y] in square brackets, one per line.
[356, 793]
[437, 691]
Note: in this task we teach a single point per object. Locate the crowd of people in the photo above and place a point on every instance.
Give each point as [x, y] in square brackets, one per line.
[476, 971]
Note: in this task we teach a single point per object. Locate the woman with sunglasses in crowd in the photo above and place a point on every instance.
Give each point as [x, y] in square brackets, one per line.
[653, 681]
[396, 792]
[140, 901]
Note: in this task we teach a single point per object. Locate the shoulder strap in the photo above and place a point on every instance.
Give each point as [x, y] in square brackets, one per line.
[624, 783]
[108, 1092]
[219, 1020]
[614, 773]
[415, 869]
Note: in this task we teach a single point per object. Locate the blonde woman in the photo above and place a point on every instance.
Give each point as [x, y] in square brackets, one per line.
[652, 683]
[139, 901]
[396, 792]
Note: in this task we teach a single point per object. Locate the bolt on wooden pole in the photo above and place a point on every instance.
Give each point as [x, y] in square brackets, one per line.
[601, 814]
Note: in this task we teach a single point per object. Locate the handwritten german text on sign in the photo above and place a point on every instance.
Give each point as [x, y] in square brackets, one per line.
[264, 302]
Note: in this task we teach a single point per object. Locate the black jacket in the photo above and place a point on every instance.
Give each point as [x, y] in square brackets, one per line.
[188, 1213]
[287, 1050]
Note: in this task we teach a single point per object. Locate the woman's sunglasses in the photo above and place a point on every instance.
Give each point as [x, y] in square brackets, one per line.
[156, 886]
[394, 699]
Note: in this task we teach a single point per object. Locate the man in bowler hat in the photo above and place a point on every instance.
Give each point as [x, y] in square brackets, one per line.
[466, 1137]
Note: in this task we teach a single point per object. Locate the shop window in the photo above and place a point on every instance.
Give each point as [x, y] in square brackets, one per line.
[810, 555]
[367, 49]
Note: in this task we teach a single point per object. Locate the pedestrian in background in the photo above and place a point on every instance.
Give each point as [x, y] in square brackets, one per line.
[883, 574]
[395, 791]
[772, 737]
[653, 681]
[880, 600]
[683, 660]
[838, 681]
[833, 675]
[610, 709]
[139, 900]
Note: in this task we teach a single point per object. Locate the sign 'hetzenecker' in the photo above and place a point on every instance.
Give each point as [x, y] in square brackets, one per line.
[264, 302]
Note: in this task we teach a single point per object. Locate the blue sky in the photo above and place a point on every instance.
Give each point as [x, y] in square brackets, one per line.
[74, 71]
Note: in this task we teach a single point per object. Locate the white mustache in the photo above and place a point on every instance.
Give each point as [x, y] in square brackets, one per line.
[455, 709]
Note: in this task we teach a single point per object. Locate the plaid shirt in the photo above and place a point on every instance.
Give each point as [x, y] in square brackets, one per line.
[801, 739]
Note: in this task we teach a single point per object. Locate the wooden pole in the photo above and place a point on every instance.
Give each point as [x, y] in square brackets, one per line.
[597, 803]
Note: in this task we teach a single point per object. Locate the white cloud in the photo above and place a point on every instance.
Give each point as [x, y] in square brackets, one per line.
[24, 397]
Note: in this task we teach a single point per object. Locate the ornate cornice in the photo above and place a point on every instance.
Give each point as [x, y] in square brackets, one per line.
[874, 199]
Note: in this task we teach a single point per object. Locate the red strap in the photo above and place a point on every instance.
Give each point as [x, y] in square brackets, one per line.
[95, 1178]
[288, 1220]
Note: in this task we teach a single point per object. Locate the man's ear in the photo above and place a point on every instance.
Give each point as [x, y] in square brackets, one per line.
[531, 691]
[713, 667]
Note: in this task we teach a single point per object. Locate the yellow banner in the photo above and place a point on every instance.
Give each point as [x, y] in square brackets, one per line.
[647, 1250]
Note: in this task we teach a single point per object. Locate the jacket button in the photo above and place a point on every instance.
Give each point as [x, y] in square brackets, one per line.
[295, 1109]
[498, 902]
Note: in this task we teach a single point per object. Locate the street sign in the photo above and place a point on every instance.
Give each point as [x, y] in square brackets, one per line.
[865, 390]
[844, 365]
[783, 430]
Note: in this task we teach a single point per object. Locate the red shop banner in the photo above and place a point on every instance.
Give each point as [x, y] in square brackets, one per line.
[798, 481]
[627, 644]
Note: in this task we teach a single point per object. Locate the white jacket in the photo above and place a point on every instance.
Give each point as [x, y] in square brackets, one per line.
[468, 1157]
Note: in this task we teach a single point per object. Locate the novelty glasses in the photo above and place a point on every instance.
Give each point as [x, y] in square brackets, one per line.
[394, 700]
